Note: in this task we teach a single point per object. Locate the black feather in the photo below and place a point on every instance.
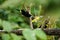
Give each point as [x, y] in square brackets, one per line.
[25, 13]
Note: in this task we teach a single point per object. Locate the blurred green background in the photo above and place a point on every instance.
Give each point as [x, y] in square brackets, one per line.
[11, 19]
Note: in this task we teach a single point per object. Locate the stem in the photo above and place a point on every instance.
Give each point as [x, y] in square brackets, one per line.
[31, 25]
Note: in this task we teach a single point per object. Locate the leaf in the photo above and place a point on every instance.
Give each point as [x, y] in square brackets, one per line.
[14, 25]
[12, 17]
[0, 22]
[29, 34]
[5, 37]
[10, 3]
[40, 34]
[8, 26]
[11, 37]
[1, 1]
[15, 37]
[24, 25]
[58, 23]
[20, 19]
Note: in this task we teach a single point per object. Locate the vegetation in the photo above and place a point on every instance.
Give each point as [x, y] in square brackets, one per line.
[12, 19]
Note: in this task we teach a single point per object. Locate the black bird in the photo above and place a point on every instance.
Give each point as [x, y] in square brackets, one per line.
[24, 13]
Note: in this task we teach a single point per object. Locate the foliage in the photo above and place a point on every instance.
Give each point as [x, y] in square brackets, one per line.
[57, 23]
[11, 19]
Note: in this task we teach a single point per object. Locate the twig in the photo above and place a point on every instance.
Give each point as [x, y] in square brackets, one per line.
[31, 25]
[47, 31]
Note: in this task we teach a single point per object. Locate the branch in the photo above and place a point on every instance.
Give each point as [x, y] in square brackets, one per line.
[47, 31]
[55, 31]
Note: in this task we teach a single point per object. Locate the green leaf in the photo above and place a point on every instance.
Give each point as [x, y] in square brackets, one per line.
[15, 37]
[10, 3]
[24, 25]
[14, 25]
[11, 37]
[58, 23]
[20, 19]
[1, 1]
[5, 37]
[0, 22]
[29, 34]
[40, 34]
[8, 26]
[12, 17]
